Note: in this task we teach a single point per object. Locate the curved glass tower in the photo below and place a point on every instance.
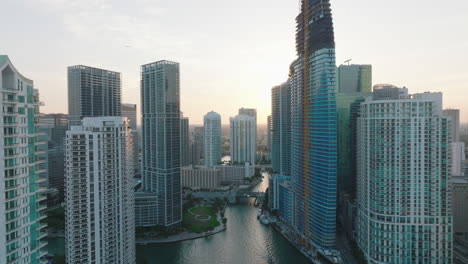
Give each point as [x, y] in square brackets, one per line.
[314, 139]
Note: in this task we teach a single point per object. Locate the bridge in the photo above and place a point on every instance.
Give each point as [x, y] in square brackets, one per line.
[249, 194]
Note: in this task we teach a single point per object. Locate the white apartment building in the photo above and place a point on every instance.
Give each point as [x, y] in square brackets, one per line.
[100, 223]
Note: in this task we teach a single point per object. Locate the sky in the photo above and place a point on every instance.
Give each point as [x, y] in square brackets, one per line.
[232, 53]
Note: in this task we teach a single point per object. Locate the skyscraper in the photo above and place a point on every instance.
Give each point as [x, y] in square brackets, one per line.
[184, 142]
[354, 78]
[281, 128]
[23, 182]
[314, 138]
[100, 221]
[354, 85]
[269, 130]
[253, 113]
[54, 127]
[196, 147]
[92, 92]
[130, 112]
[243, 141]
[403, 190]
[160, 108]
[455, 128]
[212, 139]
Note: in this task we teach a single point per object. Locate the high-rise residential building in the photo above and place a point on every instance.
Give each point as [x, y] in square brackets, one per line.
[100, 220]
[269, 132]
[212, 139]
[23, 182]
[184, 142]
[243, 141]
[130, 112]
[314, 125]
[354, 78]
[93, 92]
[54, 128]
[160, 109]
[455, 129]
[281, 128]
[403, 190]
[253, 113]
[458, 158]
[354, 85]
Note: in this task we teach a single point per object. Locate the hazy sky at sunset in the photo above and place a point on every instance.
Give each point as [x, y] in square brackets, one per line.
[233, 52]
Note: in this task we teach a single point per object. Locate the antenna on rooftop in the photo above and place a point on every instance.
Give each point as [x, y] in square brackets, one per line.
[348, 61]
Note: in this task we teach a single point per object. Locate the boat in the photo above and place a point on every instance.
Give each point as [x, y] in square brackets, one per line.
[259, 212]
[264, 220]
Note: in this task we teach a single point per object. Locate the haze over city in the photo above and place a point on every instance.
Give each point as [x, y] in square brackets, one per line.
[233, 52]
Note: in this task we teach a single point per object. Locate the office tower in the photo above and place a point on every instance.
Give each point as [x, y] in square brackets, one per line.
[269, 132]
[403, 190]
[243, 141]
[281, 128]
[458, 158]
[130, 112]
[212, 139]
[22, 186]
[92, 92]
[354, 78]
[100, 220]
[354, 85]
[160, 109]
[184, 142]
[314, 139]
[54, 128]
[455, 129]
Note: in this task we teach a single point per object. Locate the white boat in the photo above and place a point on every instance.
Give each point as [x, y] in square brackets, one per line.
[264, 220]
[259, 212]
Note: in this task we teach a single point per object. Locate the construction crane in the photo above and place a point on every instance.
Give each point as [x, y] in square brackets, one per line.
[348, 61]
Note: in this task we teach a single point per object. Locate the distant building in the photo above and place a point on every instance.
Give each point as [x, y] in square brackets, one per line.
[212, 139]
[93, 92]
[235, 174]
[22, 178]
[354, 78]
[404, 208]
[243, 139]
[252, 113]
[460, 204]
[200, 178]
[269, 133]
[99, 222]
[160, 109]
[281, 128]
[184, 142]
[454, 114]
[198, 138]
[54, 127]
[130, 112]
[354, 85]
[458, 158]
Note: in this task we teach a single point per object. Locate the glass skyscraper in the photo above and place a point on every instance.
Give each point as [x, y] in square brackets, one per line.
[281, 128]
[160, 109]
[93, 92]
[315, 138]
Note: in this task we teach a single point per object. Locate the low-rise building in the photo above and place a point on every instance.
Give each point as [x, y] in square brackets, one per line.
[234, 174]
[200, 177]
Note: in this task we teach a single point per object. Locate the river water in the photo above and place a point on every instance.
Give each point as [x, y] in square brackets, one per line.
[245, 241]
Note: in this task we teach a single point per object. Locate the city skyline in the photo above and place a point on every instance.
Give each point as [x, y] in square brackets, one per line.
[126, 32]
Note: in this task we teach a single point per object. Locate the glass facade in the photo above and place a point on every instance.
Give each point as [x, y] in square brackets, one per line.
[315, 136]
[160, 108]
[281, 128]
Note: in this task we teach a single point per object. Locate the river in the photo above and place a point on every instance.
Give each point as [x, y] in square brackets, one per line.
[245, 241]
